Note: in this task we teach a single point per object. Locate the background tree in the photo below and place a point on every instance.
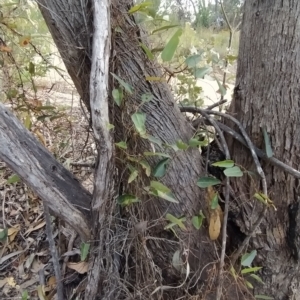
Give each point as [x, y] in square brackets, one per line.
[266, 97]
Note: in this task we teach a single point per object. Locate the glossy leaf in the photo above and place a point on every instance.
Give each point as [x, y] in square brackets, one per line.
[268, 146]
[181, 145]
[121, 145]
[224, 164]
[205, 182]
[139, 120]
[214, 202]
[164, 28]
[127, 199]
[193, 60]
[117, 96]
[248, 258]
[128, 88]
[176, 221]
[169, 50]
[145, 165]
[147, 97]
[147, 51]
[250, 270]
[161, 168]
[201, 72]
[198, 220]
[233, 172]
[84, 251]
[133, 176]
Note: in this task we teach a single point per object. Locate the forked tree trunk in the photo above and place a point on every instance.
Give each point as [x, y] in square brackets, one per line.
[70, 26]
[267, 95]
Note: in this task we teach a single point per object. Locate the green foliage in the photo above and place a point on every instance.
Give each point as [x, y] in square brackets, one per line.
[84, 251]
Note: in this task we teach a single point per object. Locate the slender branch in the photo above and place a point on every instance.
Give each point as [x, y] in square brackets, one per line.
[226, 208]
[59, 283]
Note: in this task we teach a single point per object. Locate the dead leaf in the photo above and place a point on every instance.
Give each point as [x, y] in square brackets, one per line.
[52, 282]
[28, 283]
[214, 225]
[81, 267]
[39, 226]
[12, 233]
[3, 282]
[11, 281]
[41, 292]
[141, 226]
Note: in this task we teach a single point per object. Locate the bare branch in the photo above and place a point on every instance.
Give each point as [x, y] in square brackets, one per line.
[54, 184]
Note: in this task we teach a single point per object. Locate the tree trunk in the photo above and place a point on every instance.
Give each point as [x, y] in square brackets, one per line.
[267, 95]
[71, 32]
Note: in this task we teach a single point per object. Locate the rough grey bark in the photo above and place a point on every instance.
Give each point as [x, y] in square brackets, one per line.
[164, 121]
[267, 95]
[54, 184]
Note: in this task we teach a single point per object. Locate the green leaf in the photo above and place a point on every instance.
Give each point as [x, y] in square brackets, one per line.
[121, 145]
[147, 51]
[152, 139]
[27, 122]
[161, 168]
[222, 89]
[201, 72]
[156, 154]
[84, 251]
[118, 96]
[214, 202]
[128, 88]
[139, 120]
[13, 179]
[194, 142]
[198, 220]
[224, 164]
[205, 182]
[147, 97]
[110, 126]
[127, 199]
[261, 197]
[164, 28]
[249, 284]
[140, 6]
[268, 146]
[146, 167]
[181, 145]
[193, 60]
[25, 295]
[3, 234]
[248, 258]
[160, 190]
[257, 278]
[233, 172]
[263, 297]
[159, 186]
[169, 50]
[250, 270]
[31, 68]
[176, 221]
[133, 176]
